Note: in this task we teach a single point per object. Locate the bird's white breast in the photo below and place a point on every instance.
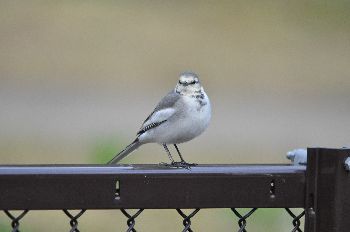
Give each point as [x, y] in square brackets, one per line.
[190, 121]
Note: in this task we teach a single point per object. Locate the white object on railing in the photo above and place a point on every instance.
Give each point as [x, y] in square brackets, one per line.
[298, 156]
[347, 164]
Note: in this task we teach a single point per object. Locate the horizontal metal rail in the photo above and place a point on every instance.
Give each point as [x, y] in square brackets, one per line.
[39, 187]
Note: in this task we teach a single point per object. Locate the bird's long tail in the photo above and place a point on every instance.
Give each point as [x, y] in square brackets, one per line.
[130, 148]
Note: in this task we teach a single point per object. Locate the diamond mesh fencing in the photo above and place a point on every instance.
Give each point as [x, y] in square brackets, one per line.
[242, 219]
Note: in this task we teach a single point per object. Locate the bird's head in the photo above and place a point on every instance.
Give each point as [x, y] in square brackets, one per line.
[188, 84]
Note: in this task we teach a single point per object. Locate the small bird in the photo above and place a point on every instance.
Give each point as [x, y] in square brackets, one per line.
[183, 114]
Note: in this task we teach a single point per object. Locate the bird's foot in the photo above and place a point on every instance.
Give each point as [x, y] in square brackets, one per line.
[181, 164]
[188, 164]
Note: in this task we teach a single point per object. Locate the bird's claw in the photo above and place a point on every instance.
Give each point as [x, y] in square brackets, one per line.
[184, 163]
[181, 164]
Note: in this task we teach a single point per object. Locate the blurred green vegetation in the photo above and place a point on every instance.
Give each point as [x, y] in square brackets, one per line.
[103, 149]
[5, 226]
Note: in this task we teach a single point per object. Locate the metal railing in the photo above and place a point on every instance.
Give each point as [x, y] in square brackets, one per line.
[322, 189]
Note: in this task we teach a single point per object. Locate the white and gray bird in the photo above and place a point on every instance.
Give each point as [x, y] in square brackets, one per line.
[183, 114]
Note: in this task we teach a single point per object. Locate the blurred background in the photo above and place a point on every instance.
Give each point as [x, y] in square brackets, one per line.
[77, 79]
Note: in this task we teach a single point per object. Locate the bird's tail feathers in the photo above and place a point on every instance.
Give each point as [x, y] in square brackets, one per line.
[130, 148]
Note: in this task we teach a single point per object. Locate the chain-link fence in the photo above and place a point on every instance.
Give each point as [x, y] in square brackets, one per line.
[321, 189]
[186, 219]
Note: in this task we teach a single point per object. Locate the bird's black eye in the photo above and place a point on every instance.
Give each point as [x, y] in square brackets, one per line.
[188, 83]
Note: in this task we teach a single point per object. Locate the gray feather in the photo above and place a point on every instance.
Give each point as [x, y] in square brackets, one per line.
[130, 148]
[167, 101]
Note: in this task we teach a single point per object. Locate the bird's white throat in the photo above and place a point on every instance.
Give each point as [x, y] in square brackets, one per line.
[192, 91]
[189, 85]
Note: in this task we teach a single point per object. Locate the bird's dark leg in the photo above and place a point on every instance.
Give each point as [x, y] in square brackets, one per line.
[178, 152]
[183, 162]
[168, 152]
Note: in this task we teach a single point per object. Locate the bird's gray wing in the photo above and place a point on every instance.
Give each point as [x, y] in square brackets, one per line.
[161, 113]
[167, 101]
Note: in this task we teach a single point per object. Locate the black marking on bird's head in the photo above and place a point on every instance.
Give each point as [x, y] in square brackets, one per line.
[188, 78]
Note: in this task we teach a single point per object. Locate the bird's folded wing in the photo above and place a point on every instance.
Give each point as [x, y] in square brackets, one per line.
[155, 119]
[163, 111]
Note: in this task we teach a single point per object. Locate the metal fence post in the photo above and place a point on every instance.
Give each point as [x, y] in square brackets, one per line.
[327, 191]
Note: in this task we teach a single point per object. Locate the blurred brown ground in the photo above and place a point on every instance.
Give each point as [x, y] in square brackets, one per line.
[77, 78]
